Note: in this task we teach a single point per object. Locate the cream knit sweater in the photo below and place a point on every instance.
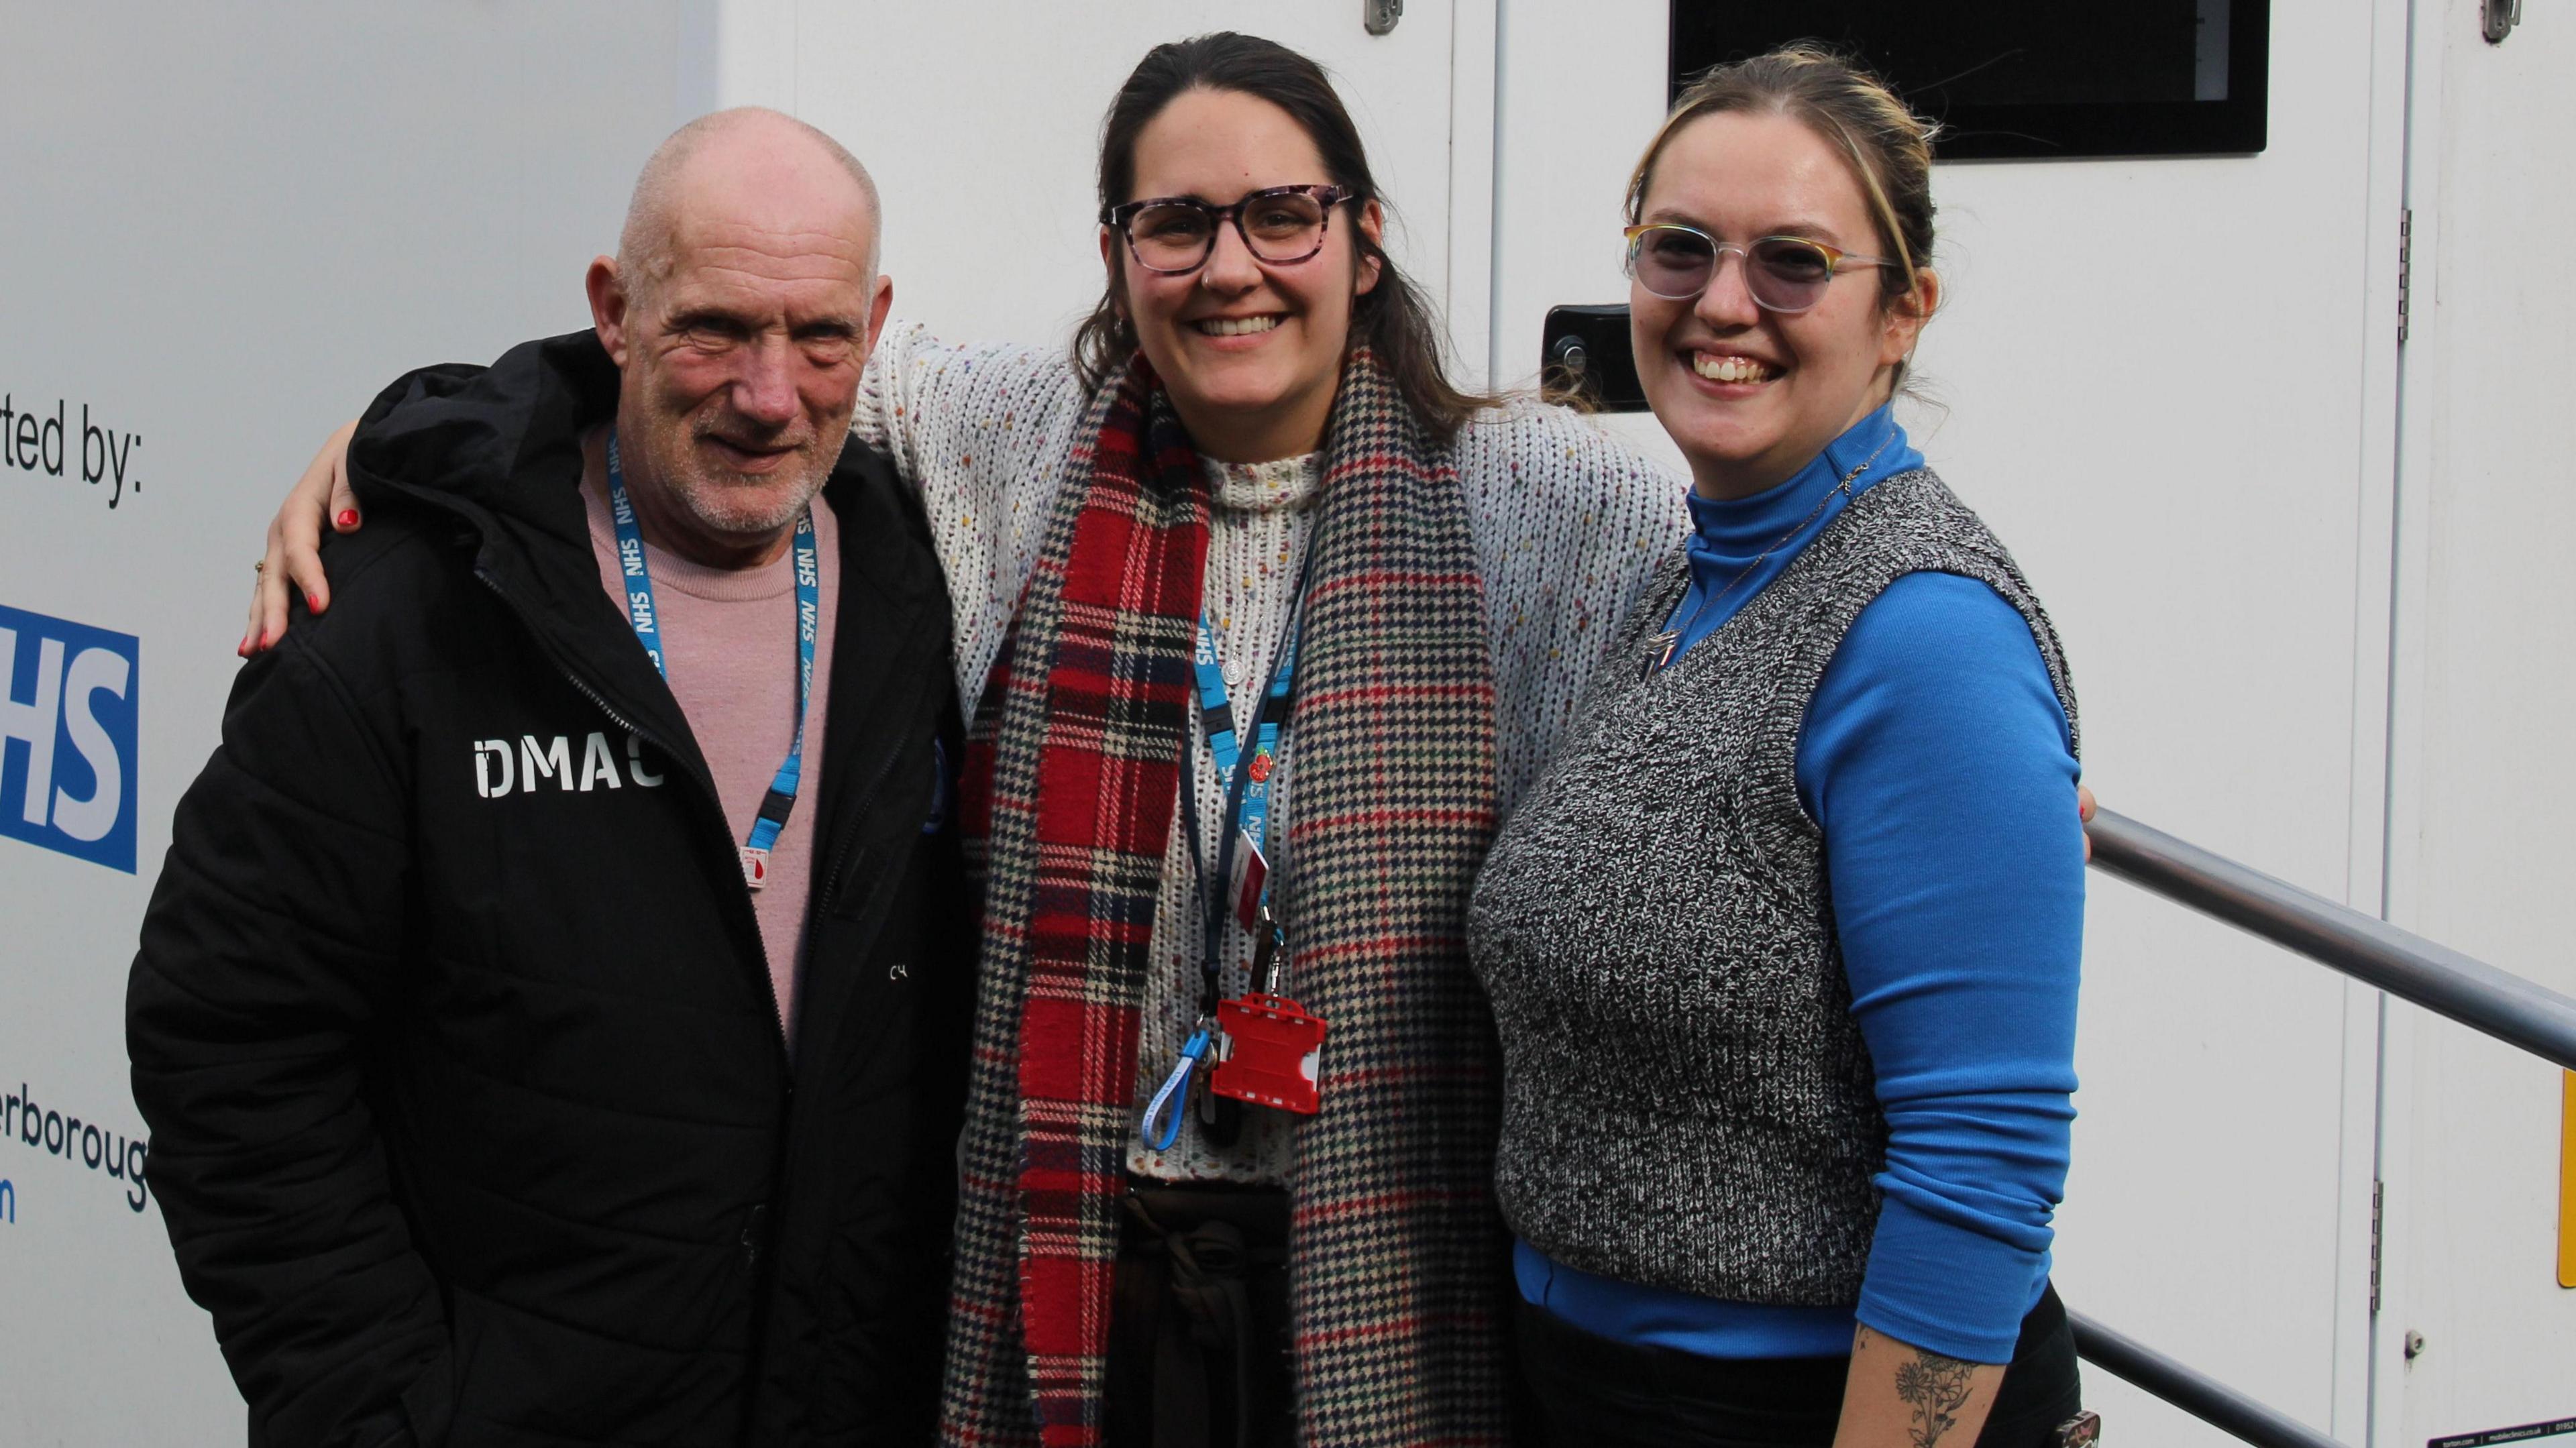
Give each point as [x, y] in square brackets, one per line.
[1569, 523]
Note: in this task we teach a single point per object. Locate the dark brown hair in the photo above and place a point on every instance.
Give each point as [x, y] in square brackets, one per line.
[1390, 319]
[1889, 147]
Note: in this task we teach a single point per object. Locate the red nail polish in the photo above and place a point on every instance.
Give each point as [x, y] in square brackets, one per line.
[313, 602]
[348, 517]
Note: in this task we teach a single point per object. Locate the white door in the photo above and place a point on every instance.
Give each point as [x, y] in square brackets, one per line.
[2168, 385]
[2486, 619]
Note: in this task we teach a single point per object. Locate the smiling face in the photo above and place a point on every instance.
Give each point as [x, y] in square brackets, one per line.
[1249, 351]
[1751, 395]
[741, 352]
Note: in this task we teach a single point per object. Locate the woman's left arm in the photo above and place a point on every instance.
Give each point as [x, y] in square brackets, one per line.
[1936, 758]
[1570, 522]
[1901, 1396]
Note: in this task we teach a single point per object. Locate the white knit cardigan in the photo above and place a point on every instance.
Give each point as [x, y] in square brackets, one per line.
[1569, 524]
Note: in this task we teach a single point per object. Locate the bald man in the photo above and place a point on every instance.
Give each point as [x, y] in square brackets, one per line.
[551, 1014]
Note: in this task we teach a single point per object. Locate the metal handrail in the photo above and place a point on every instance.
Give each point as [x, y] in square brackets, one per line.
[2201, 1396]
[2498, 1003]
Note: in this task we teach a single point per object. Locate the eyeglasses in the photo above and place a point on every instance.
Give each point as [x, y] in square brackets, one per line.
[1174, 234]
[1785, 274]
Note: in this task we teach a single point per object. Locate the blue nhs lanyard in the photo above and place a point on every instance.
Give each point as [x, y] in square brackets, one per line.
[640, 612]
[1245, 784]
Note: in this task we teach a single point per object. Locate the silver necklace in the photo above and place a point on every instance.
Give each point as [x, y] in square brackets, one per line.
[1661, 648]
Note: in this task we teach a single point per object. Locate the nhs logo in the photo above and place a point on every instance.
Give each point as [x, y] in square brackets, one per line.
[67, 737]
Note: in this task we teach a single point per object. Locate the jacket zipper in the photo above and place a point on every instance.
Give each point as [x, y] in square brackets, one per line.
[768, 982]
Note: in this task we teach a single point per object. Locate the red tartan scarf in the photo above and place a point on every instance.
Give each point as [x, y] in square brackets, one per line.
[1073, 774]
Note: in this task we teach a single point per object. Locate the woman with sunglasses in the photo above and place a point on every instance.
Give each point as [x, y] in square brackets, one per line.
[1251, 484]
[1783, 943]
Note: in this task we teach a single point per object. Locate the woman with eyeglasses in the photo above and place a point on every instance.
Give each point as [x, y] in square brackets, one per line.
[1784, 941]
[1227, 1177]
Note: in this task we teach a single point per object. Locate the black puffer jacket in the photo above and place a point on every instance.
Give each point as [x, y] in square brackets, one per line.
[472, 1122]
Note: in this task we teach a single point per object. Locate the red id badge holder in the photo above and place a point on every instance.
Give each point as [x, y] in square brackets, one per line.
[1269, 1049]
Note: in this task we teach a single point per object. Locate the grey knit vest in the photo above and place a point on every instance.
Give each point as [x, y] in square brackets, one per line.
[1687, 1100]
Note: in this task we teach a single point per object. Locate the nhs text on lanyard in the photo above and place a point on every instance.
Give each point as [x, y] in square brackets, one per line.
[781, 799]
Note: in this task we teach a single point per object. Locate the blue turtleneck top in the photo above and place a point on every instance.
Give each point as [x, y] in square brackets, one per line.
[1936, 759]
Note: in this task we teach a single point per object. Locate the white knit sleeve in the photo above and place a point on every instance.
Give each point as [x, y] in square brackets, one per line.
[984, 431]
[1570, 522]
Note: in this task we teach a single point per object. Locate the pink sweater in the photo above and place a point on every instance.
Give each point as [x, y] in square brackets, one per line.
[729, 641]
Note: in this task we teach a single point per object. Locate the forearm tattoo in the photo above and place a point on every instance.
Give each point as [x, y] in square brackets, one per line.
[1936, 1387]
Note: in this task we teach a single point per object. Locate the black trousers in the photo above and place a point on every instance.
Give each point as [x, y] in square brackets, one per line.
[1200, 1347]
[1588, 1391]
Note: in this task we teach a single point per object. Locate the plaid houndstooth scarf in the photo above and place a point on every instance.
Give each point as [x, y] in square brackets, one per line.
[1073, 773]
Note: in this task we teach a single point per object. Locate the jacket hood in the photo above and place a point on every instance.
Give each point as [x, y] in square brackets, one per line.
[502, 441]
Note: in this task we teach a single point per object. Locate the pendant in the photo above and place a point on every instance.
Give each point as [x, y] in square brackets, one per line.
[1659, 652]
[755, 866]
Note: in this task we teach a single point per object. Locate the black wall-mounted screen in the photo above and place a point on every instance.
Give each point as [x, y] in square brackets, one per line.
[2028, 78]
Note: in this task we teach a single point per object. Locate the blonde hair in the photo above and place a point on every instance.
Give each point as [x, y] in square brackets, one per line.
[1889, 147]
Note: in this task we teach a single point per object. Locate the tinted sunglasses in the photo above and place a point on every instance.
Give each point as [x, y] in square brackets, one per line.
[1786, 274]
